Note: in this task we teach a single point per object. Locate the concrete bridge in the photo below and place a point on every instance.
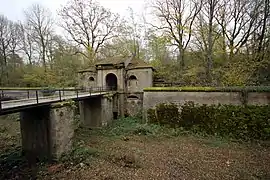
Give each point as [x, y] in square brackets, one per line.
[47, 117]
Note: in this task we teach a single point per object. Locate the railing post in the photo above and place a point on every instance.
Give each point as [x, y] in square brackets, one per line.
[2, 93]
[28, 94]
[77, 93]
[37, 96]
[60, 94]
[0, 103]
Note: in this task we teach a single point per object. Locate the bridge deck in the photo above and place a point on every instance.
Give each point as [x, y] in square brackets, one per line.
[18, 105]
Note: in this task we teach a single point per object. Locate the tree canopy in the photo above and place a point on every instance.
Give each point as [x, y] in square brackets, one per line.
[197, 42]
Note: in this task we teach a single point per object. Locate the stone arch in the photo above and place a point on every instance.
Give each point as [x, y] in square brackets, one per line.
[133, 97]
[132, 82]
[111, 81]
[91, 78]
[132, 77]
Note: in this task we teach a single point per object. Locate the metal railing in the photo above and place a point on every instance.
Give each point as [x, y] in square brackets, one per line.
[37, 94]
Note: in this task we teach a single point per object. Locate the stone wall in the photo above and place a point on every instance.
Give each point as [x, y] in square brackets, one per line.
[87, 79]
[102, 73]
[151, 99]
[134, 105]
[106, 110]
[47, 131]
[96, 111]
[62, 129]
[144, 79]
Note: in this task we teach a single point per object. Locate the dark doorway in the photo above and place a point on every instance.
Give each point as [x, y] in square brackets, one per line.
[111, 81]
[115, 115]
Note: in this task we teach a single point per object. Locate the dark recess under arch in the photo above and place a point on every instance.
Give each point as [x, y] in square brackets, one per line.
[111, 81]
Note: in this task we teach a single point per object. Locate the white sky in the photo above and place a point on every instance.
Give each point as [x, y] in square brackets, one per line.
[13, 9]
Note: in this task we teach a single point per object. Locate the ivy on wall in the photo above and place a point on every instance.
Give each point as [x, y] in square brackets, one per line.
[240, 122]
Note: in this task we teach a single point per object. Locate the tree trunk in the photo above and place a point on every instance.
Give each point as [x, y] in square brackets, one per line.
[260, 53]
[180, 58]
[210, 51]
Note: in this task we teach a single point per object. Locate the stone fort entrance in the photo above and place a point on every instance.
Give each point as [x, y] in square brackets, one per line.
[128, 76]
[111, 81]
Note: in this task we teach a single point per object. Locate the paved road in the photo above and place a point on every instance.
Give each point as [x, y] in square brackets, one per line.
[44, 100]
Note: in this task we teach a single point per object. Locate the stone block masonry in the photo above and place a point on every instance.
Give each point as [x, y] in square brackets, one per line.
[47, 131]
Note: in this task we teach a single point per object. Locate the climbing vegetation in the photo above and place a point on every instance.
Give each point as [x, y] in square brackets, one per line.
[239, 122]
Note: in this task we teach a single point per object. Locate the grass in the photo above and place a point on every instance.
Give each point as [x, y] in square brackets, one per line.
[130, 150]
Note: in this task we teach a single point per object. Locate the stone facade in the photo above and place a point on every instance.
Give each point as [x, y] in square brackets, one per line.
[102, 74]
[87, 79]
[132, 75]
[144, 78]
[126, 76]
[134, 104]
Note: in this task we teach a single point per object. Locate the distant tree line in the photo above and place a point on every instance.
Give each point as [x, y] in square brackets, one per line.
[193, 42]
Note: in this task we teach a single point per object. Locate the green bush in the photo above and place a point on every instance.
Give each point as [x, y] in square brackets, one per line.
[240, 122]
[164, 114]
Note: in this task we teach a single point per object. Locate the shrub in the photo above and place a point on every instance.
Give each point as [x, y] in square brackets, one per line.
[240, 122]
[164, 114]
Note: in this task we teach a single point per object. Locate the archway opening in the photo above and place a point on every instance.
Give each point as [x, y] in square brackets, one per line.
[133, 97]
[132, 77]
[132, 81]
[111, 81]
[91, 79]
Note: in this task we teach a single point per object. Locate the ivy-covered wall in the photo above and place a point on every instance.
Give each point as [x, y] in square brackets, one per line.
[205, 95]
[240, 122]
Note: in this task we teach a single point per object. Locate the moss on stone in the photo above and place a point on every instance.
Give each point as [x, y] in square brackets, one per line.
[64, 103]
[209, 89]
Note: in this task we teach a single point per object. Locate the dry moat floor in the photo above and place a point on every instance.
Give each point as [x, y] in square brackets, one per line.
[129, 150]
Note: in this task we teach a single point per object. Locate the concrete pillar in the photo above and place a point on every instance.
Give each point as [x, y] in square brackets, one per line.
[47, 131]
[96, 111]
[35, 133]
[121, 106]
[106, 110]
[62, 126]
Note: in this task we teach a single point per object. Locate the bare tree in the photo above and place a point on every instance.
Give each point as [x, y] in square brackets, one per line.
[27, 42]
[237, 19]
[88, 24]
[177, 18]
[5, 41]
[40, 21]
[211, 6]
[15, 38]
[5, 38]
[207, 34]
[263, 29]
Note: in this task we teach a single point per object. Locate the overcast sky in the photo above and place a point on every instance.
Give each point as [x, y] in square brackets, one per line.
[13, 9]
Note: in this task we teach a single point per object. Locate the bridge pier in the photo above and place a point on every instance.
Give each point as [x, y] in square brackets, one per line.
[47, 131]
[96, 111]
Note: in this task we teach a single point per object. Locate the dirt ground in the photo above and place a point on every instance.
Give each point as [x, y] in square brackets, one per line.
[141, 157]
